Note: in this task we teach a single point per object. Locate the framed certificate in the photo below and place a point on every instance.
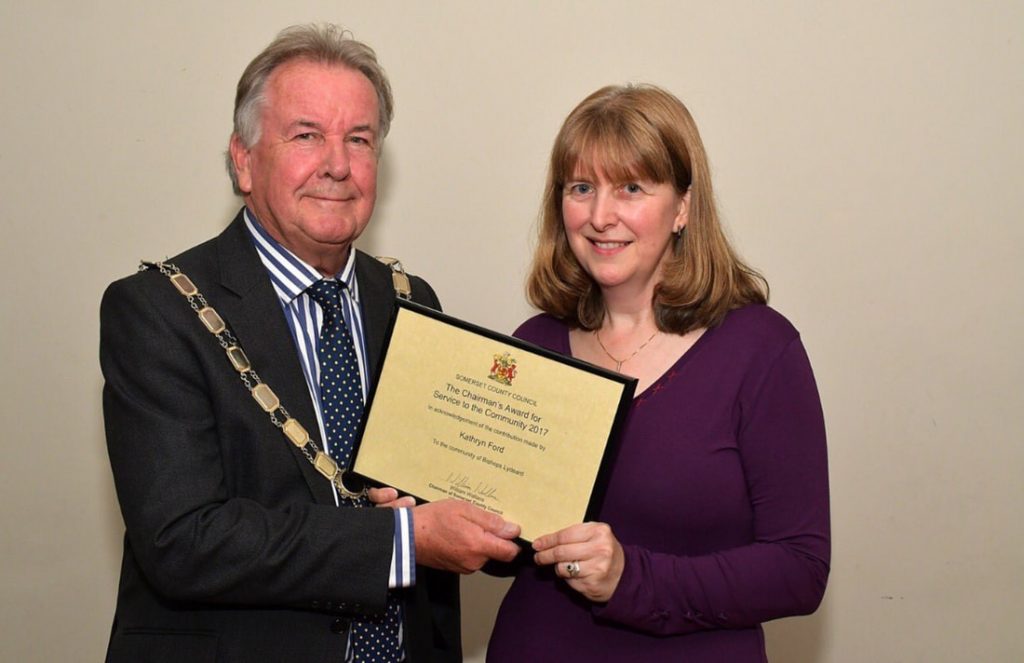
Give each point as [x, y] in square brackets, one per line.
[461, 411]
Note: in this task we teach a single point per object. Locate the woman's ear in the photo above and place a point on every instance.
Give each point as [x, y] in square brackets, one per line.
[683, 215]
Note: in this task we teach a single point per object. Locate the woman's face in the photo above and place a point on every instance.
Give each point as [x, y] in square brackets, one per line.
[621, 232]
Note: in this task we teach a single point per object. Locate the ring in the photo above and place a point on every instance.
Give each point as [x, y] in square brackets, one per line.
[573, 568]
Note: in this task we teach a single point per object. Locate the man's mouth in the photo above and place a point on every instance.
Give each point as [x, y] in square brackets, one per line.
[333, 199]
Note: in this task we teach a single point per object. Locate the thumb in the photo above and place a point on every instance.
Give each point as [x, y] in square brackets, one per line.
[504, 529]
[492, 523]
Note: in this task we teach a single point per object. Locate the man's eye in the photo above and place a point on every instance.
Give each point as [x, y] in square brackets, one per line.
[305, 137]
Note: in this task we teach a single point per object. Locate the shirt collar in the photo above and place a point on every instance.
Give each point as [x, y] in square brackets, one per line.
[290, 274]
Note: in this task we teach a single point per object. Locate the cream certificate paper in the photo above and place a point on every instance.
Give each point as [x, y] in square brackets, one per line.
[461, 412]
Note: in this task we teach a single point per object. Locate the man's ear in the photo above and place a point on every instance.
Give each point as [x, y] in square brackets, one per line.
[240, 157]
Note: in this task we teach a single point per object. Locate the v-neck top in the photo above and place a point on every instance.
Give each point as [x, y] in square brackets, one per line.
[564, 346]
[719, 496]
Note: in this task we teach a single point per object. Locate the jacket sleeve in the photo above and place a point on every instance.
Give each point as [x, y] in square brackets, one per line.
[783, 571]
[206, 524]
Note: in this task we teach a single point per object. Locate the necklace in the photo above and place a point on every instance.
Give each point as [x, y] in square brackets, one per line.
[620, 362]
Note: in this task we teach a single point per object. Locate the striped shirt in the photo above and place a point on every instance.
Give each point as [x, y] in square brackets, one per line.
[291, 277]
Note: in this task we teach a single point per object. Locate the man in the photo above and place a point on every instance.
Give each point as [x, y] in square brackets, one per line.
[237, 548]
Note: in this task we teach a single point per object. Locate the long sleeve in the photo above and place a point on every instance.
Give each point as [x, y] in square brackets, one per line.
[718, 493]
[213, 499]
[782, 571]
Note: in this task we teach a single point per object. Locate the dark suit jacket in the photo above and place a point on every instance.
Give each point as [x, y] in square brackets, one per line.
[234, 550]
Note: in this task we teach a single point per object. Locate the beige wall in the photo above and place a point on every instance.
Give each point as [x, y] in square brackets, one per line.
[868, 157]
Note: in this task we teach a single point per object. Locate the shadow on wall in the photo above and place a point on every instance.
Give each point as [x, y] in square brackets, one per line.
[481, 596]
[798, 639]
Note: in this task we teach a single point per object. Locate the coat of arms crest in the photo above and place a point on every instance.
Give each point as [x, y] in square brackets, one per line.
[503, 369]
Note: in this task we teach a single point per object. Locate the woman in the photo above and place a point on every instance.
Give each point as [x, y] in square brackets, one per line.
[716, 513]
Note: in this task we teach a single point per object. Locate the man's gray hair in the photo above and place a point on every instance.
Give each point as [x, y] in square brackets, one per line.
[321, 43]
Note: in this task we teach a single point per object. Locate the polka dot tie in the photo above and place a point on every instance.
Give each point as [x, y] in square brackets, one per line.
[373, 639]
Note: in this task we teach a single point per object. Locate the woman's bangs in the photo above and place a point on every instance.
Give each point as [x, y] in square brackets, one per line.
[617, 151]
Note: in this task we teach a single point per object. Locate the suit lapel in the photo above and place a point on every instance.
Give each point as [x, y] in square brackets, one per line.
[376, 300]
[259, 323]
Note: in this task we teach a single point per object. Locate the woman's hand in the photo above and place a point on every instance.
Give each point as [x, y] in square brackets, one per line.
[388, 497]
[587, 555]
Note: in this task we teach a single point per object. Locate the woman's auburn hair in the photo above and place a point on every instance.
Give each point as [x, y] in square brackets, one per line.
[630, 133]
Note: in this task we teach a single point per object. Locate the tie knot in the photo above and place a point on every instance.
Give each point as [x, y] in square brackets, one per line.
[325, 293]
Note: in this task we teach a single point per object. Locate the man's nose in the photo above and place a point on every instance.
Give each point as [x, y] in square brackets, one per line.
[336, 163]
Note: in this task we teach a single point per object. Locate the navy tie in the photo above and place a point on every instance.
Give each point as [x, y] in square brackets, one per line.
[373, 640]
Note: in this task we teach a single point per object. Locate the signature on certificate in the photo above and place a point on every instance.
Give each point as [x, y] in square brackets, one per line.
[463, 484]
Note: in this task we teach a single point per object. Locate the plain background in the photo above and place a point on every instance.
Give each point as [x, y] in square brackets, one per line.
[867, 157]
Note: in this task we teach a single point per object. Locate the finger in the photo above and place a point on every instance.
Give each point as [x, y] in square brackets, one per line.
[509, 531]
[382, 495]
[493, 523]
[565, 553]
[572, 534]
[571, 570]
[502, 550]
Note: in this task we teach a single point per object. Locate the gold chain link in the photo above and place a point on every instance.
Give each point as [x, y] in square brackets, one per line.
[259, 390]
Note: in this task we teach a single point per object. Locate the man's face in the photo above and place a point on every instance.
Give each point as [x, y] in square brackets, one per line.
[311, 178]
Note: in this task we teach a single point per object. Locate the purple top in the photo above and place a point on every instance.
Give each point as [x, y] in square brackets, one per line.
[719, 496]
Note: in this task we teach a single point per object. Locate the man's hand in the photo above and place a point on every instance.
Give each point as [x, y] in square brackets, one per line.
[453, 535]
[388, 497]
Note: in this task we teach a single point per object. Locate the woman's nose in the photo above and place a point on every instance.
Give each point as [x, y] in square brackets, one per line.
[604, 213]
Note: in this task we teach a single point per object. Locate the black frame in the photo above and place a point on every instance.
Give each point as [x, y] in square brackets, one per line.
[628, 386]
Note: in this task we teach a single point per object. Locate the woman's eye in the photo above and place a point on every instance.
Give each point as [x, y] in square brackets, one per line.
[580, 189]
[633, 187]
